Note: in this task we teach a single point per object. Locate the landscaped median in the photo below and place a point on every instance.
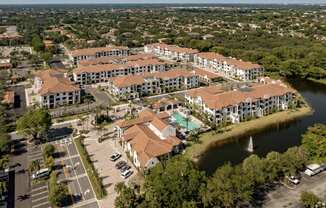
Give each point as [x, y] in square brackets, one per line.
[92, 173]
[195, 150]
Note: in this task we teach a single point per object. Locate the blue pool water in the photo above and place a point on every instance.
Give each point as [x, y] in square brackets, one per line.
[181, 121]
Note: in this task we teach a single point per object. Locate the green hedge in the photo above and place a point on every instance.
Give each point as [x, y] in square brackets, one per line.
[90, 169]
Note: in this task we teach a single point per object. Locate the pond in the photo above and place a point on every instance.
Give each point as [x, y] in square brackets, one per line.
[278, 137]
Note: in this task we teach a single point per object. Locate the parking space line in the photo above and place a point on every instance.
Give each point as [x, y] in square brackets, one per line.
[80, 189]
[78, 176]
[41, 204]
[39, 193]
[39, 199]
[90, 184]
[39, 188]
[67, 158]
[85, 202]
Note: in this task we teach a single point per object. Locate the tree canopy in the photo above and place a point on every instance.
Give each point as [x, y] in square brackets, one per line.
[34, 122]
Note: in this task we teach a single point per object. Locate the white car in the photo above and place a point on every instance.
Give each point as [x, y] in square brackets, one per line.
[314, 169]
[293, 179]
[127, 173]
[115, 156]
[45, 172]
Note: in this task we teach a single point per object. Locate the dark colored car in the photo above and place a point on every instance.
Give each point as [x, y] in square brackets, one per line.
[120, 164]
[124, 168]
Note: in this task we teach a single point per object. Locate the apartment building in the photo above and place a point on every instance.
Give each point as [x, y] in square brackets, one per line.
[93, 53]
[117, 59]
[236, 105]
[206, 76]
[130, 87]
[101, 73]
[229, 67]
[53, 89]
[148, 139]
[171, 51]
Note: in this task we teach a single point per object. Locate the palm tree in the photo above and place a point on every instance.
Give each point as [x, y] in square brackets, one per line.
[187, 119]
[3, 187]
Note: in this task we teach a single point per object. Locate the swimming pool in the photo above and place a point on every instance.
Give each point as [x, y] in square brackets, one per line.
[181, 121]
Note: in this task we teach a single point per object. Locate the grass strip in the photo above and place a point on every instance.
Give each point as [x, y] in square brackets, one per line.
[92, 173]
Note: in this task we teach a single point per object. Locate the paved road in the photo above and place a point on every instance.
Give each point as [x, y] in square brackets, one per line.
[22, 179]
[100, 96]
[290, 196]
[72, 171]
[37, 195]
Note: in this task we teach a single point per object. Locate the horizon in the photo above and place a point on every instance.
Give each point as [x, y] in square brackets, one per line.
[192, 2]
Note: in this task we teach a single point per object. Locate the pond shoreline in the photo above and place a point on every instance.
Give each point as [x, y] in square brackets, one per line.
[211, 138]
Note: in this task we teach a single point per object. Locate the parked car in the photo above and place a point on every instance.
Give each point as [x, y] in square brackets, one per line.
[126, 174]
[120, 164]
[115, 156]
[293, 179]
[124, 168]
[41, 173]
[314, 169]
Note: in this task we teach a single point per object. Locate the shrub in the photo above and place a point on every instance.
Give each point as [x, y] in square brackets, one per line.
[309, 199]
[58, 193]
[92, 173]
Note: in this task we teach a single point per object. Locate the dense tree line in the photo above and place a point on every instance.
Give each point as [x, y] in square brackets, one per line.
[4, 128]
[178, 183]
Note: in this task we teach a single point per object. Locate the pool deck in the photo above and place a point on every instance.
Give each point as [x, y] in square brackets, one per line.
[193, 119]
[196, 150]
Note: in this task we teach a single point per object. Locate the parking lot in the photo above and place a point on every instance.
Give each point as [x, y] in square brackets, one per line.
[289, 196]
[100, 154]
[71, 171]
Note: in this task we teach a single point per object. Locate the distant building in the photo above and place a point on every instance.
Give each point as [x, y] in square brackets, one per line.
[171, 51]
[53, 89]
[166, 104]
[92, 53]
[135, 86]
[148, 139]
[229, 67]
[236, 105]
[101, 73]
[5, 64]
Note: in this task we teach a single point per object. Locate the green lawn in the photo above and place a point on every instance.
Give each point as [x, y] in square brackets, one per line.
[320, 81]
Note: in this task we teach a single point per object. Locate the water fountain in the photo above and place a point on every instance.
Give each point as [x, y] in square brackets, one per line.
[250, 147]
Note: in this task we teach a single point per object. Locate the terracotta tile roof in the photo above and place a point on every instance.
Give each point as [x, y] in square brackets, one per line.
[143, 140]
[98, 68]
[125, 81]
[147, 144]
[174, 73]
[173, 48]
[143, 117]
[100, 60]
[115, 66]
[9, 97]
[55, 82]
[159, 123]
[129, 80]
[93, 51]
[211, 56]
[245, 65]
[116, 59]
[218, 98]
[206, 73]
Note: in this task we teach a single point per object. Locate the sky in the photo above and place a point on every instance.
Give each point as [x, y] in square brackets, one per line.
[162, 1]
